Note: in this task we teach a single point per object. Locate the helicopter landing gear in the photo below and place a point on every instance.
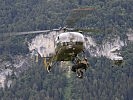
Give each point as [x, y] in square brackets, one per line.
[79, 73]
[49, 68]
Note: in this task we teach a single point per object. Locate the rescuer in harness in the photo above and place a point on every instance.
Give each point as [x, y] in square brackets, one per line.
[80, 66]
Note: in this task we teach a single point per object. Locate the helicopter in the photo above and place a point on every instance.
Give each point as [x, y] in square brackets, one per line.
[68, 44]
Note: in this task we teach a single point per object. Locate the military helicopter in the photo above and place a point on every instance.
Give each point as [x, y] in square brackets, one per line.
[68, 44]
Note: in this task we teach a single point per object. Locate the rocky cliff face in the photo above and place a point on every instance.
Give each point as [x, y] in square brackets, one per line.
[109, 48]
[42, 44]
[15, 66]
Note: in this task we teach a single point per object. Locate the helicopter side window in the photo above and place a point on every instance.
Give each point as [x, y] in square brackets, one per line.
[79, 43]
[64, 43]
[58, 38]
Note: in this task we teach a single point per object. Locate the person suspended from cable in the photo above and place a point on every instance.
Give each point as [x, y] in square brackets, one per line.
[80, 66]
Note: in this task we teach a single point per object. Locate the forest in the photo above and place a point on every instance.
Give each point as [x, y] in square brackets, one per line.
[101, 81]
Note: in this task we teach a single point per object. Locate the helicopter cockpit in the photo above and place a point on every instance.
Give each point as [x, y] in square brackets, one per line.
[68, 38]
[69, 44]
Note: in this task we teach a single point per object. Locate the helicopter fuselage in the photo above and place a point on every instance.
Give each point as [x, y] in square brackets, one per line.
[68, 45]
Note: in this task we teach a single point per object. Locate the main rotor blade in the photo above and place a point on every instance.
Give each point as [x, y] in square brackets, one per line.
[84, 30]
[22, 33]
